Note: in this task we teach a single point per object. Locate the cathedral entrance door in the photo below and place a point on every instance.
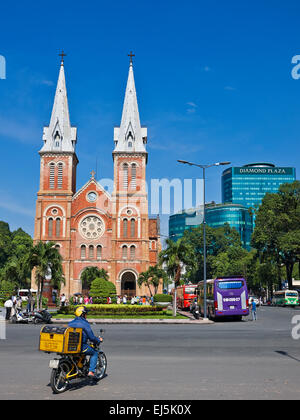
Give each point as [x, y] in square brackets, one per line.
[128, 284]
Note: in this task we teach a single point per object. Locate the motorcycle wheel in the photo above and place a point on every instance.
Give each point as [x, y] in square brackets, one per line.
[36, 321]
[58, 381]
[101, 366]
[13, 319]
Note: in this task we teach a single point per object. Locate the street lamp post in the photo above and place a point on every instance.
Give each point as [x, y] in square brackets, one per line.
[203, 167]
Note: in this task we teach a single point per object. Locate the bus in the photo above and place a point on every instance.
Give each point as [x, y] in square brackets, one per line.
[24, 293]
[286, 298]
[185, 295]
[226, 296]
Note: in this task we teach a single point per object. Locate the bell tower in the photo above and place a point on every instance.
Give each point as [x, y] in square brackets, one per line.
[58, 162]
[129, 198]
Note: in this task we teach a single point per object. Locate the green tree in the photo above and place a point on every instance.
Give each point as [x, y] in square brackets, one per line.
[91, 273]
[5, 243]
[219, 241]
[154, 276]
[45, 259]
[176, 256]
[144, 279]
[277, 229]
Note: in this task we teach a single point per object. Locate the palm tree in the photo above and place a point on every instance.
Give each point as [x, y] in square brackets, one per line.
[175, 256]
[44, 258]
[152, 277]
[144, 278]
[157, 275]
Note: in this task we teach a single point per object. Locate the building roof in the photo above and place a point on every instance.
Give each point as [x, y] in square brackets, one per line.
[59, 136]
[130, 136]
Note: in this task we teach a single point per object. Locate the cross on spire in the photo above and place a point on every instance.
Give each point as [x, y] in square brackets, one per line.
[93, 173]
[62, 55]
[131, 55]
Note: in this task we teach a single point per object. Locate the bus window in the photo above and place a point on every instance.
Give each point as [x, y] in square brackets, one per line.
[230, 284]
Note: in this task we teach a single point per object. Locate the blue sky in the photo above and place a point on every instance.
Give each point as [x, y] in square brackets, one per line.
[213, 81]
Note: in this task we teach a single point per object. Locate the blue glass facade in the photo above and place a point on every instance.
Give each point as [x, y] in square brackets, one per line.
[237, 216]
[247, 185]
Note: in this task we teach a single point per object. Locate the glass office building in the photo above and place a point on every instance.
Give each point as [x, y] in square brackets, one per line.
[247, 185]
[236, 215]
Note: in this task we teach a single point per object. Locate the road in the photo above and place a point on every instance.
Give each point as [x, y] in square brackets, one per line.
[225, 360]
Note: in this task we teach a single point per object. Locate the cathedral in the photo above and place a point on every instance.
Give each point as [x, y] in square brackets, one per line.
[90, 227]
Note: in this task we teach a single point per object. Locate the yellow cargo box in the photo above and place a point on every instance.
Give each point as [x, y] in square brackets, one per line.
[65, 340]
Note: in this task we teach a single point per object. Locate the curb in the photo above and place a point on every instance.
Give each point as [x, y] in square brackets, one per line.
[138, 321]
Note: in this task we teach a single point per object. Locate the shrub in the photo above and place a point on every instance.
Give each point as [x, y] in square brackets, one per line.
[162, 298]
[101, 288]
[117, 310]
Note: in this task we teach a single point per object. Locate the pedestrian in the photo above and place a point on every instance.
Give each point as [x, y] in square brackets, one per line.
[118, 300]
[253, 310]
[86, 300]
[91, 300]
[19, 303]
[8, 305]
[30, 303]
[54, 296]
[62, 300]
[124, 300]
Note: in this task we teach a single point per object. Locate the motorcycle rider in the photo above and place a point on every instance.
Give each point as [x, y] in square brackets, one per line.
[87, 334]
[194, 307]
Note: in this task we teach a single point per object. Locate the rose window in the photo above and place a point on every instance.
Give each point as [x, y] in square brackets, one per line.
[91, 227]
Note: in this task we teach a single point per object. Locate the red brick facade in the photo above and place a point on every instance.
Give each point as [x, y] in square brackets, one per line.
[92, 227]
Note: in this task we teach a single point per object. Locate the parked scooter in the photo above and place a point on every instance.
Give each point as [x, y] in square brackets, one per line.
[21, 317]
[42, 316]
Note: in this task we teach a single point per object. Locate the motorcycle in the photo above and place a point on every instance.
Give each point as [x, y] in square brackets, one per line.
[21, 317]
[72, 366]
[42, 316]
[195, 310]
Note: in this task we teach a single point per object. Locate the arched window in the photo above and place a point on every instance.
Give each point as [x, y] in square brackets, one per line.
[99, 252]
[57, 139]
[125, 176]
[124, 252]
[50, 227]
[91, 252]
[132, 252]
[132, 228]
[83, 252]
[125, 228]
[52, 175]
[133, 176]
[57, 227]
[60, 175]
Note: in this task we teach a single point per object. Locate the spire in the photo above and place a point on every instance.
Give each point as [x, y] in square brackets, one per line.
[130, 136]
[59, 136]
